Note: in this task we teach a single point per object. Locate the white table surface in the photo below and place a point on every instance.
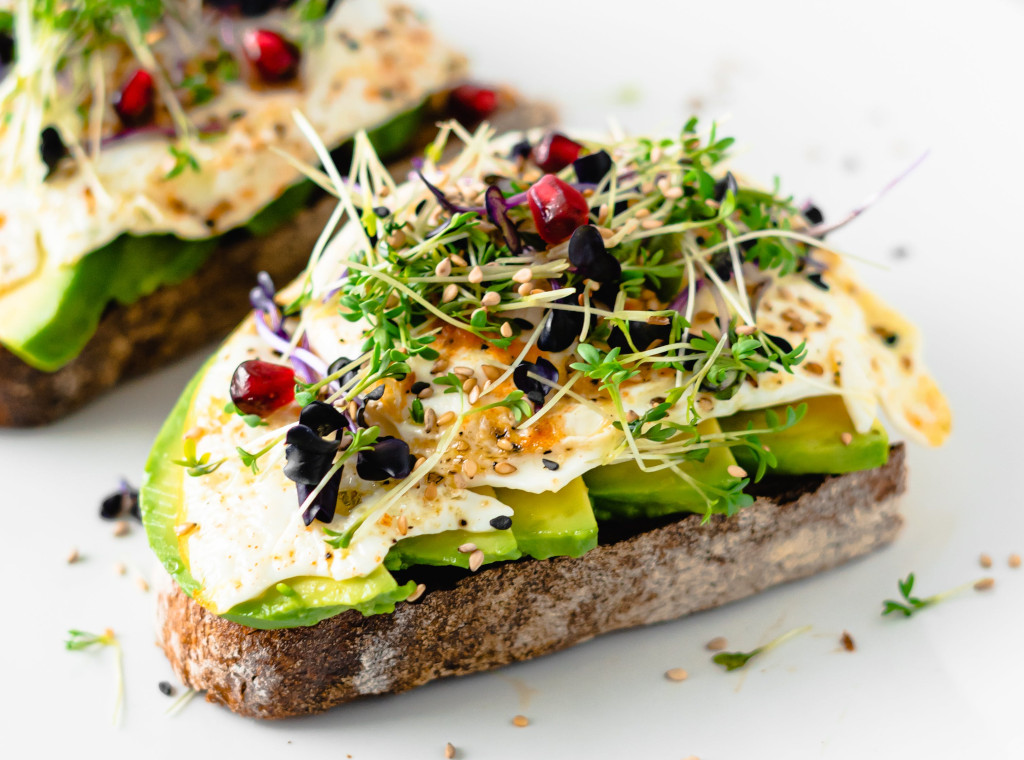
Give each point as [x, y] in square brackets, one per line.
[834, 98]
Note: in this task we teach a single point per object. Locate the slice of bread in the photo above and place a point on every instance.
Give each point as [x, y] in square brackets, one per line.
[178, 319]
[471, 622]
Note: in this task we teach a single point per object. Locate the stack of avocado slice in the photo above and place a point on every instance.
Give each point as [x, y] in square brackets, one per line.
[48, 321]
[562, 524]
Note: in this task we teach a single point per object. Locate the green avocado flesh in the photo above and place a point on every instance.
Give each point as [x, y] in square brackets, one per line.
[814, 445]
[543, 525]
[47, 321]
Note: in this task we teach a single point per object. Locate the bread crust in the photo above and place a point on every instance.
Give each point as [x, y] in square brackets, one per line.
[178, 319]
[519, 610]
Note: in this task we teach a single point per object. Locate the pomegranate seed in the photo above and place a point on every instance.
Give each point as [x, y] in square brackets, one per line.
[471, 104]
[275, 58]
[555, 152]
[134, 103]
[557, 208]
[259, 387]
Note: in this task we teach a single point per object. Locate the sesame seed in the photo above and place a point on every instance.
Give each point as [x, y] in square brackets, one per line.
[451, 291]
[121, 528]
[468, 384]
[673, 193]
[651, 224]
[506, 329]
[165, 688]
[449, 750]
[475, 560]
[460, 445]
[419, 463]
[402, 524]
[459, 482]
[676, 674]
[505, 468]
[426, 392]
[463, 372]
[469, 468]
[491, 298]
[521, 721]
[746, 329]
[606, 232]
[420, 588]
[141, 583]
[73, 556]
[490, 371]
[119, 568]
[716, 644]
[632, 416]
[476, 275]
[446, 418]
[984, 584]
[430, 492]
[429, 420]
[444, 267]
[525, 289]
[1014, 561]
[439, 366]
[847, 641]
[458, 260]
[846, 438]
[474, 394]
[658, 320]
[467, 548]
[705, 404]
[505, 444]
[736, 471]
[537, 291]
[523, 275]
[985, 561]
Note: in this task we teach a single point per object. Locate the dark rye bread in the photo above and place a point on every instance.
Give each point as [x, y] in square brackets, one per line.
[505, 613]
[178, 319]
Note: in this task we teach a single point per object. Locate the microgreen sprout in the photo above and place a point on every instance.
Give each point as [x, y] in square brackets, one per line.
[78, 641]
[911, 605]
[736, 660]
[197, 466]
[252, 420]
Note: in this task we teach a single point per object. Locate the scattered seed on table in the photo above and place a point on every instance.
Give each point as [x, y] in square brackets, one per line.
[449, 750]
[985, 584]
[521, 721]
[73, 556]
[1014, 560]
[142, 584]
[676, 674]
[847, 641]
[716, 644]
[121, 528]
[165, 688]
[985, 561]
[119, 568]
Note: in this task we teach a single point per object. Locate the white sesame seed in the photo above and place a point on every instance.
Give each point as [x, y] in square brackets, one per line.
[846, 438]
[716, 644]
[426, 392]
[449, 751]
[632, 416]
[523, 275]
[525, 289]
[673, 193]
[419, 463]
[505, 468]
[142, 585]
[468, 384]
[463, 372]
[121, 528]
[506, 331]
[476, 275]
[430, 492]
[642, 213]
[537, 291]
[652, 224]
[736, 471]
[1014, 561]
[420, 588]
[521, 721]
[467, 548]
[439, 366]
[469, 468]
[73, 556]
[402, 525]
[460, 445]
[445, 418]
[505, 444]
[985, 561]
[458, 260]
[444, 267]
[606, 233]
[676, 674]
[474, 394]
[746, 329]
[491, 298]
[491, 372]
[475, 560]
[429, 420]
[451, 292]
[119, 568]
[459, 481]
[985, 584]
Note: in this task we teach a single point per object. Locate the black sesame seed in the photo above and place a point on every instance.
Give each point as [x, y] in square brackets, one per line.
[165, 688]
[813, 214]
[817, 281]
[549, 464]
[419, 386]
[382, 211]
[51, 149]
[375, 394]
[501, 522]
[724, 186]
[121, 504]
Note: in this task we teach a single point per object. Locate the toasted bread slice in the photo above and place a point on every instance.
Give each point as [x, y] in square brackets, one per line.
[178, 319]
[467, 623]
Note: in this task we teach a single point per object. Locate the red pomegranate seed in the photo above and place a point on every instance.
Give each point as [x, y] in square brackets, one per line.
[557, 208]
[471, 103]
[555, 152]
[134, 103]
[259, 387]
[274, 58]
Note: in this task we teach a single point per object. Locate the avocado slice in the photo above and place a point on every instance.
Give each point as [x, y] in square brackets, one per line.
[814, 444]
[624, 491]
[552, 524]
[443, 549]
[47, 321]
[296, 602]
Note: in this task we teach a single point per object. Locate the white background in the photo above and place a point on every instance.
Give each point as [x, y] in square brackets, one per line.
[836, 99]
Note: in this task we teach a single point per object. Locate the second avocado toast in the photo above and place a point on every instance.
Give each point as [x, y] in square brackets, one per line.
[538, 347]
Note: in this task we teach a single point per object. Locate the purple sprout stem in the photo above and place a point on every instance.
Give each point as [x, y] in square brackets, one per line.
[307, 364]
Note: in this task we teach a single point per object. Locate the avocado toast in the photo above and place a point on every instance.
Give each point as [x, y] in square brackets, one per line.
[549, 389]
[140, 194]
